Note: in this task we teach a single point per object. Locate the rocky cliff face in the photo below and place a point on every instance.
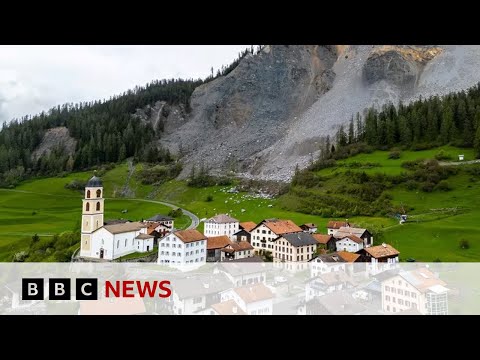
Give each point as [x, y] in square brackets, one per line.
[268, 114]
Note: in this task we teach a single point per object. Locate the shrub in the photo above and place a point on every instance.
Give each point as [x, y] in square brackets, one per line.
[209, 198]
[20, 256]
[412, 164]
[76, 184]
[394, 154]
[427, 186]
[411, 185]
[175, 213]
[441, 155]
[444, 186]
[464, 244]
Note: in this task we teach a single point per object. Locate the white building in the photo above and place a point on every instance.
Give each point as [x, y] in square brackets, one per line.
[221, 225]
[361, 233]
[350, 243]
[108, 241]
[252, 299]
[326, 263]
[333, 226]
[183, 247]
[294, 247]
[161, 219]
[236, 251]
[265, 232]
[418, 289]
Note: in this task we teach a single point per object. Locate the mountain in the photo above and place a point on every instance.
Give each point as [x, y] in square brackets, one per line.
[258, 117]
[268, 114]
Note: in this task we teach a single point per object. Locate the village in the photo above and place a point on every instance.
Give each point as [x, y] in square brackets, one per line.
[238, 268]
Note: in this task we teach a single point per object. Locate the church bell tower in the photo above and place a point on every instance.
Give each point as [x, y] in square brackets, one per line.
[92, 213]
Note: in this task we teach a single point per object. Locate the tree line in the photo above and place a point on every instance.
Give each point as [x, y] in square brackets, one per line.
[426, 123]
[105, 130]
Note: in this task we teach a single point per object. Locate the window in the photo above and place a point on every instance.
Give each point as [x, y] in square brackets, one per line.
[400, 302]
[394, 299]
[173, 245]
[387, 298]
[203, 250]
[125, 242]
[162, 244]
[201, 259]
[264, 232]
[196, 251]
[162, 253]
[179, 254]
[407, 293]
[88, 194]
[399, 282]
[118, 243]
[103, 242]
[393, 290]
[98, 206]
[414, 296]
[87, 207]
[99, 193]
[197, 300]
[407, 303]
[394, 309]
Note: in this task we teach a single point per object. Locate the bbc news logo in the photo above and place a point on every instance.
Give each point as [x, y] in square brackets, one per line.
[87, 289]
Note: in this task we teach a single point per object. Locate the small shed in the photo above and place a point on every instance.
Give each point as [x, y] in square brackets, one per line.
[461, 157]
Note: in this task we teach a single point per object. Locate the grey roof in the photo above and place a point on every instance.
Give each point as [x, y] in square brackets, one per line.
[160, 217]
[222, 219]
[253, 259]
[94, 182]
[330, 258]
[299, 239]
[341, 303]
[244, 268]
[346, 231]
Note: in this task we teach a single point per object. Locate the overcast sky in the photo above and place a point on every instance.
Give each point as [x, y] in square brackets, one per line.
[36, 78]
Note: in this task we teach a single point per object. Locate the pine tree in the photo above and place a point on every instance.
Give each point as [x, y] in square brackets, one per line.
[351, 132]
[341, 137]
[447, 130]
[477, 143]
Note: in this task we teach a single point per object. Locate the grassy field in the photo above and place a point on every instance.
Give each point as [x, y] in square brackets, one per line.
[437, 222]
[45, 207]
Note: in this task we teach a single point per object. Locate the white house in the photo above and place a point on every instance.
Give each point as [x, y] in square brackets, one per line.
[161, 219]
[327, 283]
[333, 226]
[350, 243]
[252, 299]
[266, 231]
[361, 233]
[294, 247]
[183, 247]
[244, 273]
[237, 250]
[221, 225]
[418, 289]
[108, 241]
[326, 263]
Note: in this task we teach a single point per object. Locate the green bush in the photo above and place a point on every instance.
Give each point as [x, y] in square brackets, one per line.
[444, 186]
[441, 155]
[394, 154]
[209, 198]
[464, 244]
[175, 213]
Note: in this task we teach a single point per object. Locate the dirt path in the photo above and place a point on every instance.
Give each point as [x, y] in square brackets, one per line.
[456, 163]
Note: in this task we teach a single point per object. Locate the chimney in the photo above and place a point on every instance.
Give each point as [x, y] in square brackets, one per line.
[234, 310]
[384, 245]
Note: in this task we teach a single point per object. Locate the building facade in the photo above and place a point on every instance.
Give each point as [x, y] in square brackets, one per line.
[183, 247]
[221, 225]
[295, 247]
[268, 230]
[349, 243]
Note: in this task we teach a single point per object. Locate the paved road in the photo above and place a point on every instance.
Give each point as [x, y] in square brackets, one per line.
[194, 218]
[456, 163]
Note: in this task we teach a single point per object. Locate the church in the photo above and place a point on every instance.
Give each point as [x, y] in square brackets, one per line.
[108, 242]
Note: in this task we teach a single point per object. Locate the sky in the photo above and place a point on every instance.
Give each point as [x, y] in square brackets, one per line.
[36, 78]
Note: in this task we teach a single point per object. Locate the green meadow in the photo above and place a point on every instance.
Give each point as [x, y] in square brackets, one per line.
[437, 223]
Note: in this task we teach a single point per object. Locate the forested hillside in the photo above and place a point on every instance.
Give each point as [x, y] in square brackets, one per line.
[105, 130]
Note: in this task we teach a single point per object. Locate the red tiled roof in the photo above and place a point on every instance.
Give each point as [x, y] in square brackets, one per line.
[229, 307]
[254, 293]
[381, 251]
[217, 242]
[348, 256]
[191, 235]
[322, 239]
[336, 224]
[247, 225]
[281, 227]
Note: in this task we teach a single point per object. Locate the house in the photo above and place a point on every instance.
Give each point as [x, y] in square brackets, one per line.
[326, 263]
[254, 299]
[215, 244]
[221, 225]
[244, 234]
[326, 242]
[183, 247]
[348, 256]
[237, 250]
[229, 307]
[158, 230]
[242, 273]
[309, 227]
[194, 294]
[334, 225]
[162, 219]
[294, 247]
[270, 229]
[108, 242]
[350, 243]
[113, 306]
[327, 283]
[384, 253]
[341, 303]
[363, 234]
[419, 289]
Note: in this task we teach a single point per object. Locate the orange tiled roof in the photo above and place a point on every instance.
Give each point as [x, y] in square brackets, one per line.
[217, 242]
[348, 256]
[281, 227]
[322, 239]
[254, 293]
[241, 245]
[336, 224]
[247, 225]
[229, 307]
[353, 238]
[190, 235]
[380, 251]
